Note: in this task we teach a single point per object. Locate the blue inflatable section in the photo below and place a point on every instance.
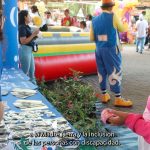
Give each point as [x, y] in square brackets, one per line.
[10, 31]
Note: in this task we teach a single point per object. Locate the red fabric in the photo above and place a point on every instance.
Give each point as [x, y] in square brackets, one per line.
[138, 125]
[54, 67]
[67, 21]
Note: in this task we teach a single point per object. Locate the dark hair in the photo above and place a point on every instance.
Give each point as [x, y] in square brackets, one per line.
[89, 16]
[22, 15]
[18, 9]
[83, 23]
[144, 12]
[106, 7]
[48, 13]
[67, 10]
[34, 9]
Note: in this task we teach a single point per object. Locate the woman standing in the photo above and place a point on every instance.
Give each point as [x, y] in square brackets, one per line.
[26, 40]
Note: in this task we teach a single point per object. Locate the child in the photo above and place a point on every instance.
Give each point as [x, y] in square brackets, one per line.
[83, 26]
[48, 20]
[67, 20]
[142, 144]
[138, 123]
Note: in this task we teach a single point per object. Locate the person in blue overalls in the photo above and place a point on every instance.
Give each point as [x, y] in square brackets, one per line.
[104, 31]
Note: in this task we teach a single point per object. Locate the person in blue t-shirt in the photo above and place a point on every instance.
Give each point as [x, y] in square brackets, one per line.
[27, 42]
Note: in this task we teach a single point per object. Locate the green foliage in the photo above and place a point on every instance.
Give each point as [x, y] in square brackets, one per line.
[74, 99]
[74, 8]
[147, 17]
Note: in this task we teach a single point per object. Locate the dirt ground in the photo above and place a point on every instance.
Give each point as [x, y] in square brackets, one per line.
[136, 79]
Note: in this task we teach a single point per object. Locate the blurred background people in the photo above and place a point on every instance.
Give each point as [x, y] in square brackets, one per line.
[67, 20]
[147, 42]
[35, 16]
[48, 19]
[83, 26]
[88, 21]
[141, 27]
[34, 11]
[76, 23]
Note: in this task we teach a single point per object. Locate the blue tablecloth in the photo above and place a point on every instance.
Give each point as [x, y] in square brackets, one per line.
[12, 78]
[16, 78]
[13, 75]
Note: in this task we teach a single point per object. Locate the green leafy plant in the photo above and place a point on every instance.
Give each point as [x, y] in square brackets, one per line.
[74, 99]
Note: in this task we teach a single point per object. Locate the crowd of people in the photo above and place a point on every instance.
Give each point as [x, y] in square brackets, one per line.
[133, 35]
[137, 29]
[139, 32]
[52, 19]
[142, 32]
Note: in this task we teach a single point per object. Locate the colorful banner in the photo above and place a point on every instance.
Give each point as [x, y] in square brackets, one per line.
[10, 31]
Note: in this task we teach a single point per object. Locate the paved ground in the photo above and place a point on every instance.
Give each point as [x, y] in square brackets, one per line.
[136, 79]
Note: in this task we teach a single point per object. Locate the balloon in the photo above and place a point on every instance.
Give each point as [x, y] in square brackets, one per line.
[123, 10]
[97, 11]
[37, 21]
[121, 5]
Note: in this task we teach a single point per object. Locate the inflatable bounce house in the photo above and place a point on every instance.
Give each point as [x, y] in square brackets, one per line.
[61, 51]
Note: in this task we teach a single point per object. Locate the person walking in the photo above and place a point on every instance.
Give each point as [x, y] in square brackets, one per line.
[104, 31]
[27, 45]
[141, 28]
